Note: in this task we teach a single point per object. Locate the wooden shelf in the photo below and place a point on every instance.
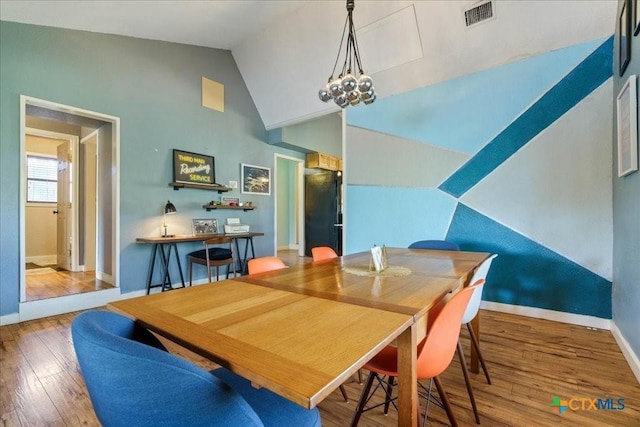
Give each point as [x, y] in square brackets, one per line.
[244, 208]
[219, 188]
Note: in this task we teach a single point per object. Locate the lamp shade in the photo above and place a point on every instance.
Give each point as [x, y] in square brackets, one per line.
[169, 208]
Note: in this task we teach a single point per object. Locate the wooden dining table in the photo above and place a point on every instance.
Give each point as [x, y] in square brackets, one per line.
[302, 331]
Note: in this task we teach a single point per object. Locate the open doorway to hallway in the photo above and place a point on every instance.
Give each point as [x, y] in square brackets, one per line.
[69, 216]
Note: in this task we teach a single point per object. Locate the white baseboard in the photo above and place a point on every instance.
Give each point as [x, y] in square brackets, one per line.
[42, 259]
[9, 319]
[53, 306]
[100, 275]
[541, 313]
[627, 351]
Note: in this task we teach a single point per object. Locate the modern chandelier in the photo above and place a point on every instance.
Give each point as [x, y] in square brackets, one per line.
[349, 89]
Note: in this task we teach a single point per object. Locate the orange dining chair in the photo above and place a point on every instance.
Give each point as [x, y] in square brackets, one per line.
[321, 253]
[435, 353]
[267, 263]
[217, 252]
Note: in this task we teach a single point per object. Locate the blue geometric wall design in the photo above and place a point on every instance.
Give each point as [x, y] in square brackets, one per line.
[528, 274]
[579, 83]
[464, 113]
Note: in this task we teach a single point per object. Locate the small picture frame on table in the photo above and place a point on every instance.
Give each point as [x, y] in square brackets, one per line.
[205, 226]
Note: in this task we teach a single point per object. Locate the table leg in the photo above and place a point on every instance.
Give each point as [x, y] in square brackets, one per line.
[175, 250]
[242, 262]
[151, 267]
[407, 377]
[166, 277]
[475, 325]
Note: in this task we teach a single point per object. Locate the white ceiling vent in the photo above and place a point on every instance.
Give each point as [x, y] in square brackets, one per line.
[481, 11]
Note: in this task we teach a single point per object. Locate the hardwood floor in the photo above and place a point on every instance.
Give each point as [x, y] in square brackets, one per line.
[50, 283]
[530, 362]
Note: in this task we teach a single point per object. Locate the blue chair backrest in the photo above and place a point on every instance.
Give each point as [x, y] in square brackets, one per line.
[133, 381]
[442, 245]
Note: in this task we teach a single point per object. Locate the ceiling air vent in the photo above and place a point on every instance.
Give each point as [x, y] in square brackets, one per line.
[479, 13]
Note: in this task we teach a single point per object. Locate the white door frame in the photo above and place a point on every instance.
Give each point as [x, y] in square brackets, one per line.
[51, 306]
[299, 200]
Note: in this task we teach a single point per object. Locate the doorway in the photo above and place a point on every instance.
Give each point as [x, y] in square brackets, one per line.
[82, 270]
[289, 201]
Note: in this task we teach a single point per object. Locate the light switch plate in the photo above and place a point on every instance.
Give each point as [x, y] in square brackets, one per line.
[233, 184]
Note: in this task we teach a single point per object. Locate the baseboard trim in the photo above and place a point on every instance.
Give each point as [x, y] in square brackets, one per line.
[9, 319]
[541, 313]
[627, 351]
[54, 306]
[100, 275]
[42, 259]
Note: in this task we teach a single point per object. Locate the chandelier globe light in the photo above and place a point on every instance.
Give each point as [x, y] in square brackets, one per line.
[352, 86]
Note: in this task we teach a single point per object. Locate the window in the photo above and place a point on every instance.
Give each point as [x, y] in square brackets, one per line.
[42, 179]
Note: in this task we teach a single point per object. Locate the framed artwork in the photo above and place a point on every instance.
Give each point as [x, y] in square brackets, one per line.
[255, 179]
[205, 226]
[627, 121]
[193, 168]
[233, 201]
[636, 17]
[624, 48]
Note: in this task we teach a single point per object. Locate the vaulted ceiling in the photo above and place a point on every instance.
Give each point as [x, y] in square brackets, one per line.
[285, 50]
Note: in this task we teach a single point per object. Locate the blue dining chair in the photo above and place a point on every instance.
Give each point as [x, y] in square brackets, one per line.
[442, 245]
[133, 380]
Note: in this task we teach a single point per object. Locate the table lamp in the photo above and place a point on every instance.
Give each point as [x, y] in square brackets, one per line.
[169, 209]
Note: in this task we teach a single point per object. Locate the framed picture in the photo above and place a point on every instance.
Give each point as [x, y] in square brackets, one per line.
[255, 179]
[636, 17]
[193, 168]
[205, 226]
[624, 48]
[233, 201]
[627, 108]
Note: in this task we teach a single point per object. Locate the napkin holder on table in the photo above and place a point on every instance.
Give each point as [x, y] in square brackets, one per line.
[378, 261]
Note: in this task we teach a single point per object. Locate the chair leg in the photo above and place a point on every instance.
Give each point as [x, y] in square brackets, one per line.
[344, 394]
[445, 402]
[363, 399]
[474, 342]
[190, 271]
[390, 382]
[467, 381]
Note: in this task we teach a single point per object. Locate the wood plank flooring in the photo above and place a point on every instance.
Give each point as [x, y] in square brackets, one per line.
[61, 283]
[530, 361]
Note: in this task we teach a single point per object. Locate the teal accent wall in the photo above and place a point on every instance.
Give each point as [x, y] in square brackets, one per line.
[513, 160]
[626, 222]
[155, 89]
[529, 273]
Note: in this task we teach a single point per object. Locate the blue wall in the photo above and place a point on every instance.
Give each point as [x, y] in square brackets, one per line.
[626, 224]
[155, 90]
[514, 160]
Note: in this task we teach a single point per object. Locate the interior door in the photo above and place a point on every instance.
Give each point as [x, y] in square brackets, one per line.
[322, 219]
[63, 208]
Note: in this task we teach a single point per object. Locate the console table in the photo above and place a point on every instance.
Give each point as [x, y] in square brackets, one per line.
[168, 245]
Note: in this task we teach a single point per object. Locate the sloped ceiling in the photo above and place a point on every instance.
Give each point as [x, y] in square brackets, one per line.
[285, 50]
